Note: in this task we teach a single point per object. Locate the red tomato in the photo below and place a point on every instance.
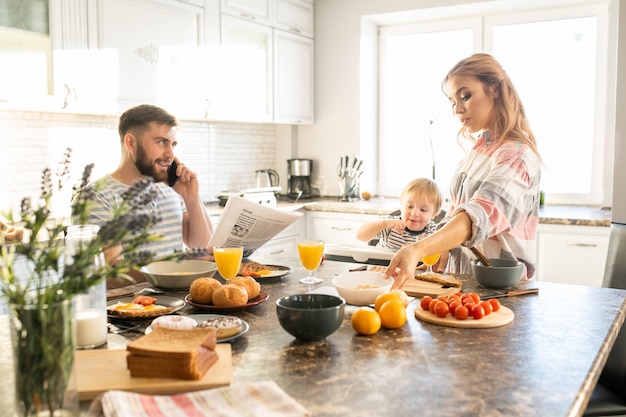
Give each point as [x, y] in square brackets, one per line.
[495, 304]
[425, 301]
[461, 313]
[454, 304]
[441, 308]
[431, 305]
[487, 307]
[475, 296]
[454, 297]
[478, 312]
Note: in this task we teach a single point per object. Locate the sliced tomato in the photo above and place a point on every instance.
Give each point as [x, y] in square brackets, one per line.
[144, 300]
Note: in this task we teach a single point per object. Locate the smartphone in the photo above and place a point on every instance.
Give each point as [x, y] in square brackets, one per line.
[171, 174]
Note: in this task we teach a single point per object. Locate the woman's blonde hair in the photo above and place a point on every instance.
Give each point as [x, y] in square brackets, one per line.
[425, 187]
[510, 118]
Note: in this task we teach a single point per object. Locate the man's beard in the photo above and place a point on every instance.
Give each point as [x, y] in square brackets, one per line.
[147, 167]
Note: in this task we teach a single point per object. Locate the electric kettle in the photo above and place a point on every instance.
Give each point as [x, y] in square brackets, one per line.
[266, 178]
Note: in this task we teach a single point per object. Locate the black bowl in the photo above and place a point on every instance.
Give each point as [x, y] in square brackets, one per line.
[310, 317]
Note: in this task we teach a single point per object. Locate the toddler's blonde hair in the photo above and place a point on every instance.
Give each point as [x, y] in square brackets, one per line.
[427, 188]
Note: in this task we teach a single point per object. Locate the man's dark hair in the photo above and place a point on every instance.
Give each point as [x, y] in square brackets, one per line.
[136, 119]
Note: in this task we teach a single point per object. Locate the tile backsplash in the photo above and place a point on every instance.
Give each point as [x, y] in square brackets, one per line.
[224, 155]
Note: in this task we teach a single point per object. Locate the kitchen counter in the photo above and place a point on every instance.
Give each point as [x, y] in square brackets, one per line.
[549, 214]
[545, 363]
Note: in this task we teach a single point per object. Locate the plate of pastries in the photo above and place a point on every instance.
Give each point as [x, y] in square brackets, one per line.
[236, 294]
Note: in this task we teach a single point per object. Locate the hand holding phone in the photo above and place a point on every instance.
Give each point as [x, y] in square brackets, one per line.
[171, 174]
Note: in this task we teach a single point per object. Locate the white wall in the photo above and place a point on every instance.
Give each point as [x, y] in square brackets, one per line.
[338, 128]
[224, 155]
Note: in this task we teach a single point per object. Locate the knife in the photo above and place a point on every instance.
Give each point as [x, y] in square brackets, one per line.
[512, 293]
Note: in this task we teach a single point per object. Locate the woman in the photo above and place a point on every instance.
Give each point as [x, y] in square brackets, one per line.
[495, 190]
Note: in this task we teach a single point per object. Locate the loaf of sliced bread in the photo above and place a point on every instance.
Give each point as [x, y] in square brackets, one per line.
[157, 367]
[167, 343]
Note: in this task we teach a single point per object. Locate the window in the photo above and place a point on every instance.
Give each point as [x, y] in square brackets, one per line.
[557, 61]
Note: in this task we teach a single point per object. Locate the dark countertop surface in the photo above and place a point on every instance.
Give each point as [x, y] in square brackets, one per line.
[544, 363]
[549, 214]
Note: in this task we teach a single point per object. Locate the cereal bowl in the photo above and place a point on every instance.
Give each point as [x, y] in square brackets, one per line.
[310, 316]
[360, 288]
[177, 275]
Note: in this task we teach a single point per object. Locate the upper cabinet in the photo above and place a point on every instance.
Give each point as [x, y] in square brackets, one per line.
[294, 16]
[130, 52]
[288, 78]
[255, 10]
[293, 78]
[236, 60]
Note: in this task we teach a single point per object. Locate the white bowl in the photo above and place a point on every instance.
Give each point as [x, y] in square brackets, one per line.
[360, 288]
[177, 275]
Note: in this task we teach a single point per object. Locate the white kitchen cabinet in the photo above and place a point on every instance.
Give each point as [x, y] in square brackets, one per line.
[246, 87]
[572, 254]
[267, 67]
[296, 16]
[336, 228]
[293, 78]
[285, 243]
[105, 57]
[255, 10]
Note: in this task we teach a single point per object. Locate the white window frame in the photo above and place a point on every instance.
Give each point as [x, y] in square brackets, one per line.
[519, 14]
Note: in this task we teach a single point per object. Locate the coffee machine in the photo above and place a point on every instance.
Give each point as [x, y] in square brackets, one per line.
[299, 178]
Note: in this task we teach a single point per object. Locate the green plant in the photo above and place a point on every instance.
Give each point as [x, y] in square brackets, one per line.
[50, 277]
[38, 277]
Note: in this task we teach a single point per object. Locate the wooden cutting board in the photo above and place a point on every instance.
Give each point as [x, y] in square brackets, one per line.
[496, 319]
[418, 288]
[101, 370]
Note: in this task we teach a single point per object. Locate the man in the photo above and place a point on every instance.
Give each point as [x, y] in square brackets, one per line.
[148, 138]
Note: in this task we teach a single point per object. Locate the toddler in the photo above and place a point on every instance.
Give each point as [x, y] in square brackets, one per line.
[420, 203]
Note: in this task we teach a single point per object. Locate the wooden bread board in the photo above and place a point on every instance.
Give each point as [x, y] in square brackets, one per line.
[101, 370]
[418, 288]
[496, 319]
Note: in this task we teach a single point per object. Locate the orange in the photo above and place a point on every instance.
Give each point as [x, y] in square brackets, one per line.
[403, 296]
[384, 297]
[365, 321]
[392, 314]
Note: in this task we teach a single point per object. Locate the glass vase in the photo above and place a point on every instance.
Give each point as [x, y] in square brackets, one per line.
[43, 351]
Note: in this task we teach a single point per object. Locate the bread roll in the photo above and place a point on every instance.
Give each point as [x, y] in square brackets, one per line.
[201, 289]
[249, 283]
[230, 295]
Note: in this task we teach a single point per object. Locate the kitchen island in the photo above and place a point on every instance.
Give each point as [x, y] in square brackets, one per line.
[545, 363]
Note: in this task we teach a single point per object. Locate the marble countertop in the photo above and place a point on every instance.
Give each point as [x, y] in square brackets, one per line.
[432, 369]
[549, 214]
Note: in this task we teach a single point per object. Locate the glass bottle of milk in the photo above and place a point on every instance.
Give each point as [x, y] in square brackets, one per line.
[90, 309]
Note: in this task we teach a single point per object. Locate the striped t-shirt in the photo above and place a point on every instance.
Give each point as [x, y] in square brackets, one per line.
[498, 187]
[168, 206]
[389, 238]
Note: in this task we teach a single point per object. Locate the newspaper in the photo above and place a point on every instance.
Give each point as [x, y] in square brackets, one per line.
[251, 225]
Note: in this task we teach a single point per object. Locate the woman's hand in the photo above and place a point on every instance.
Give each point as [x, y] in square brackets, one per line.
[402, 265]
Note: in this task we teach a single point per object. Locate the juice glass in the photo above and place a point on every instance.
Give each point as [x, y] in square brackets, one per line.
[228, 260]
[310, 251]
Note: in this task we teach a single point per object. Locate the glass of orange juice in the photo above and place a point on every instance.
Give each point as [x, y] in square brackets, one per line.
[429, 261]
[310, 251]
[228, 260]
